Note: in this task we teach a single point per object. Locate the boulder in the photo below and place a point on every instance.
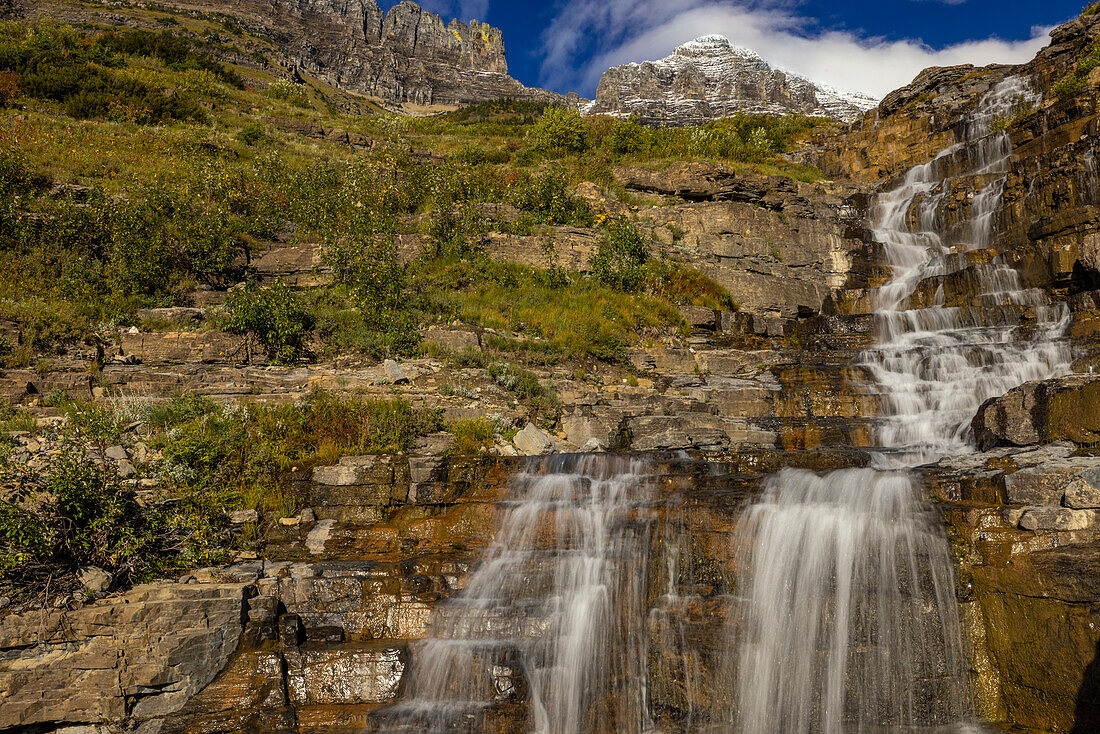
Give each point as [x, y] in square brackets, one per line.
[1083, 493]
[395, 373]
[533, 441]
[695, 181]
[1055, 518]
[95, 579]
[455, 340]
[1060, 409]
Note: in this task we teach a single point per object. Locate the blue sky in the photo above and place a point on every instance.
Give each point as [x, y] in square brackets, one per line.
[863, 45]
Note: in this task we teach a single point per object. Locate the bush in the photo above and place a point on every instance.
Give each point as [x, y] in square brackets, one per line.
[546, 195]
[251, 134]
[472, 436]
[561, 131]
[619, 259]
[627, 137]
[525, 385]
[288, 91]
[276, 316]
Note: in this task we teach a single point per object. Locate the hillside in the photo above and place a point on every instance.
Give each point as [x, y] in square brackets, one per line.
[319, 416]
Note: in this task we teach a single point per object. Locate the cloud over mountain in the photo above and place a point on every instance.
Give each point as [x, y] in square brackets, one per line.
[634, 30]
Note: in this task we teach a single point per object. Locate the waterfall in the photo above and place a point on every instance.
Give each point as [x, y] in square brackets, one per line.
[849, 621]
[557, 606]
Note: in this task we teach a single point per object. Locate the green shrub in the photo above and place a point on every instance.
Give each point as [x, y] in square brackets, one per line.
[176, 52]
[472, 154]
[79, 70]
[527, 388]
[546, 195]
[628, 137]
[276, 316]
[619, 259]
[85, 516]
[1091, 9]
[252, 133]
[472, 436]
[288, 91]
[560, 130]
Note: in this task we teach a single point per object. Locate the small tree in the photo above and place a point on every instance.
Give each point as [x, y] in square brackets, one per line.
[561, 130]
[622, 253]
[276, 316]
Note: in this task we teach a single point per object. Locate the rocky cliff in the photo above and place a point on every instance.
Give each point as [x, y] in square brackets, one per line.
[406, 56]
[708, 78]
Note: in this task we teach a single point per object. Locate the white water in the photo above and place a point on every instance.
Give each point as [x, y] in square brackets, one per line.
[850, 622]
[558, 603]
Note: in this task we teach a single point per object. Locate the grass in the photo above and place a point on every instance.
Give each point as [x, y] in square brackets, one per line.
[472, 437]
[573, 316]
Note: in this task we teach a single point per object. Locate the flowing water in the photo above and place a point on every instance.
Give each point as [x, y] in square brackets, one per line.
[844, 618]
[849, 621]
[557, 605]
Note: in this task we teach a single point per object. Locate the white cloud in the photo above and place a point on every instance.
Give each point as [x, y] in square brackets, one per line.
[637, 30]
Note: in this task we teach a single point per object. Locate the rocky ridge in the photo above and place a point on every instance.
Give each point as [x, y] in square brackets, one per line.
[407, 56]
[709, 78]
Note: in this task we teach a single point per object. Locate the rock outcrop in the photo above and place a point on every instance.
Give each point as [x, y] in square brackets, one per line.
[708, 78]
[1062, 409]
[406, 56]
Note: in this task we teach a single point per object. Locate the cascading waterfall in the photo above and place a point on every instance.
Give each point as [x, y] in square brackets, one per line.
[557, 604]
[849, 620]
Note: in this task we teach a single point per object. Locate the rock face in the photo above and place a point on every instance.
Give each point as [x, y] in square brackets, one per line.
[406, 56]
[708, 78]
[1063, 409]
[139, 656]
[781, 247]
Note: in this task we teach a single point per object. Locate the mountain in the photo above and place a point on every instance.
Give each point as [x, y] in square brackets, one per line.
[710, 78]
[406, 56]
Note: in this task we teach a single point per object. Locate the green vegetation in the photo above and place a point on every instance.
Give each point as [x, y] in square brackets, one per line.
[140, 170]
[1091, 9]
[276, 316]
[215, 459]
[620, 257]
[1078, 78]
[472, 436]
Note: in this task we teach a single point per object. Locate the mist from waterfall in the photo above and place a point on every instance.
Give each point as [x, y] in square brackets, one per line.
[849, 621]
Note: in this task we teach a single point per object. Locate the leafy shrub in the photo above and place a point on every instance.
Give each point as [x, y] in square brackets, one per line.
[619, 259]
[251, 134]
[560, 130]
[1078, 78]
[1091, 9]
[476, 155]
[627, 137]
[457, 232]
[276, 316]
[80, 70]
[176, 52]
[546, 195]
[525, 385]
[85, 516]
[472, 436]
[288, 91]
